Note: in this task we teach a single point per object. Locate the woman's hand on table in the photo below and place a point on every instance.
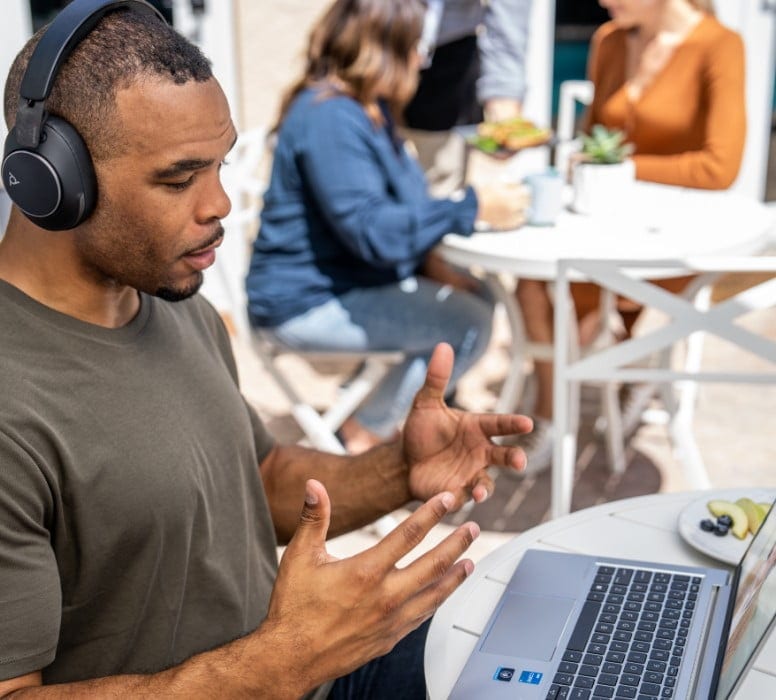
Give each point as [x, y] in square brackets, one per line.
[502, 205]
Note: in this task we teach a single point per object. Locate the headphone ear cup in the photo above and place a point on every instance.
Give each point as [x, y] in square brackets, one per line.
[53, 184]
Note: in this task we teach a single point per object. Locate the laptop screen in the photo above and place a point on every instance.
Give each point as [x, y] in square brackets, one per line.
[755, 606]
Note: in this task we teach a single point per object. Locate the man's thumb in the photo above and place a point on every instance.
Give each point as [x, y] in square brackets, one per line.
[316, 514]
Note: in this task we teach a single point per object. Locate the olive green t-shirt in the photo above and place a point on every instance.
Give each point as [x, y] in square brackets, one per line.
[134, 529]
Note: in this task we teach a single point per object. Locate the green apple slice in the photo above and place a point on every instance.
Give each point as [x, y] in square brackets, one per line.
[754, 514]
[740, 524]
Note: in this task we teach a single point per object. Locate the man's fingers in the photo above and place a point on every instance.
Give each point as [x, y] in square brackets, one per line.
[483, 487]
[440, 366]
[427, 601]
[504, 424]
[436, 563]
[410, 533]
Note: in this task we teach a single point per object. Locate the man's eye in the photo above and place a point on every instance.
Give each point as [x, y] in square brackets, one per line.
[178, 186]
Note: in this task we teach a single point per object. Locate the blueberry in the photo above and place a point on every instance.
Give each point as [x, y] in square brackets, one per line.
[725, 520]
[721, 530]
[707, 525]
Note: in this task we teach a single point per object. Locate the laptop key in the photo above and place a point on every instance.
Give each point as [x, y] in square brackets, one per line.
[552, 693]
[592, 659]
[573, 656]
[584, 682]
[584, 626]
[650, 689]
[653, 677]
[603, 691]
[630, 679]
[616, 657]
[625, 691]
[586, 670]
[579, 694]
[564, 678]
[607, 679]
[567, 667]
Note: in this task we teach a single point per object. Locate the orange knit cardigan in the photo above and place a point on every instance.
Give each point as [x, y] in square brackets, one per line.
[689, 125]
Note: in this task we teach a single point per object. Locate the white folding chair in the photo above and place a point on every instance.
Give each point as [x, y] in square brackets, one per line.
[244, 185]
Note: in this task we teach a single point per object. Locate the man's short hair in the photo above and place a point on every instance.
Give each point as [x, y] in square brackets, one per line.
[123, 47]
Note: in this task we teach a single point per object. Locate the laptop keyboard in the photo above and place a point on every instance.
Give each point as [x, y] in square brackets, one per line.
[630, 639]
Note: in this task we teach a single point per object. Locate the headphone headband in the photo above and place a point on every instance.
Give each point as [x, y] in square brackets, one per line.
[67, 30]
[46, 169]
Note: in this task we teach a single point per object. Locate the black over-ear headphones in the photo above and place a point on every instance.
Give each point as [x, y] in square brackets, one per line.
[47, 170]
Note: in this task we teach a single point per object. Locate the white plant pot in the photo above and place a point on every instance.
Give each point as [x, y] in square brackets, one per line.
[602, 189]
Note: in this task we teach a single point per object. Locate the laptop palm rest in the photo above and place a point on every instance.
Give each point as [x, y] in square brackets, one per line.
[529, 626]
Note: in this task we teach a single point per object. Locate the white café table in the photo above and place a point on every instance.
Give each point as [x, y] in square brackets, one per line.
[655, 223]
[642, 528]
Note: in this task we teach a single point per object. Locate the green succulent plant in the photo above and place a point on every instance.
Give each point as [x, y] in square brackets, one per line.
[605, 146]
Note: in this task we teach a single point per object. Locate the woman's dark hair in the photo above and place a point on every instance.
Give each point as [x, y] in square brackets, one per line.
[364, 49]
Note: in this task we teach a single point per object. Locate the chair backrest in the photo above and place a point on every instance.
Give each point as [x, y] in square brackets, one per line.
[242, 177]
[572, 92]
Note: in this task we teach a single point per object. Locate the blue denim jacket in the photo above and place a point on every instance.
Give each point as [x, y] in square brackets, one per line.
[346, 207]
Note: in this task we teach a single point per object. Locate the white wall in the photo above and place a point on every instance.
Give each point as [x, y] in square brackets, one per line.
[755, 20]
[214, 32]
[15, 29]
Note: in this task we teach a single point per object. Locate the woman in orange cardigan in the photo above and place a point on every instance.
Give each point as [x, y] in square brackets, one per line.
[671, 77]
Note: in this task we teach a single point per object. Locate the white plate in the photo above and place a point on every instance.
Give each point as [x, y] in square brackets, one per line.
[727, 548]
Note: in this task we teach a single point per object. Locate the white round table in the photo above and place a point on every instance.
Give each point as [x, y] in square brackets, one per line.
[657, 222]
[634, 528]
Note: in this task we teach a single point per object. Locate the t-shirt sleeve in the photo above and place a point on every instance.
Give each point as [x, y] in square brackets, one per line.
[30, 594]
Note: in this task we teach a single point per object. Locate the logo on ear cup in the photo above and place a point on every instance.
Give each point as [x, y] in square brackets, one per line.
[41, 196]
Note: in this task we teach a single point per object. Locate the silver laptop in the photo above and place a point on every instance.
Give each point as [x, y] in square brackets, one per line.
[576, 627]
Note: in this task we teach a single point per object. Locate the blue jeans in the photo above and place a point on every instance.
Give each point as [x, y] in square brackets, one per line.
[397, 675]
[411, 316]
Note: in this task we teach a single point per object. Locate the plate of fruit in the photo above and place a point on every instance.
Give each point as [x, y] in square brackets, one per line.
[722, 523]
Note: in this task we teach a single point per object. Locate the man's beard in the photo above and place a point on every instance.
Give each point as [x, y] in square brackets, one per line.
[172, 294]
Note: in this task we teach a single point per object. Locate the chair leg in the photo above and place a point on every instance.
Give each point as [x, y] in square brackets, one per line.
[615, 438]
[359, 388]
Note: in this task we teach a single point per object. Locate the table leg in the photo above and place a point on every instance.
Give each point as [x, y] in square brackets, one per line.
[512, 387]
[564, 391]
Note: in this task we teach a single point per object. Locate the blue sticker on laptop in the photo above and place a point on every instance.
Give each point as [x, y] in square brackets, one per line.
[504, 674]
[532, 677]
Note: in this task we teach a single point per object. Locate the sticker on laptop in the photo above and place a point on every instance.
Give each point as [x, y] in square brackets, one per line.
[530, 677]
[504, 674]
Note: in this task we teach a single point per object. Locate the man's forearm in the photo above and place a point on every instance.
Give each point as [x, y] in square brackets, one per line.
[242, 668]
[361, 487]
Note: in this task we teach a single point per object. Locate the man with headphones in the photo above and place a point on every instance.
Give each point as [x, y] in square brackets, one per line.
[141, 499]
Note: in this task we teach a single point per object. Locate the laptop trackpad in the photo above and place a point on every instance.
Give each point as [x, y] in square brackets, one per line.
[528, 626]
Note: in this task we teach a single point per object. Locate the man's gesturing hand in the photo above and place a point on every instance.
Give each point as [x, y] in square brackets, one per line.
[332, 616]
[449, 450]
